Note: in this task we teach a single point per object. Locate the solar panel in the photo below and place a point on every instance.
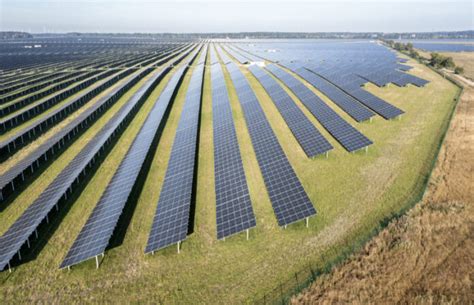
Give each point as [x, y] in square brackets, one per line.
[96, 233]
[240, 58]
[310, 139]
[345, 102]
[171, 220]
[349, 137]
[288, 197]
[19, 233]
[234, 211]
[225, 59]
[376, 104]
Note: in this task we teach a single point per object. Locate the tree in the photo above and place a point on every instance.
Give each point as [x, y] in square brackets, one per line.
[414, 54]
[435, 59]
[447, 62]
[459, 70]
[399, 46]
[409, 46]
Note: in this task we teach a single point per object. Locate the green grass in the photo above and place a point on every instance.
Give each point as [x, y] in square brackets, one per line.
[353, 193]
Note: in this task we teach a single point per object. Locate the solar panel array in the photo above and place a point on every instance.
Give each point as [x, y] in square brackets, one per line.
[16, 174]
[224, 57]
[351, 84]
[234, 211]
[32, 131]
[345, 102]
[96, 233]
[288, 197]
[19, 233]
[171, 220]
[62, 83]
[13, 102]
[349, 137]
[28, 112]
[310, 139]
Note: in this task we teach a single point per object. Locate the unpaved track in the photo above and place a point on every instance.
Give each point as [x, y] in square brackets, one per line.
[427, 256]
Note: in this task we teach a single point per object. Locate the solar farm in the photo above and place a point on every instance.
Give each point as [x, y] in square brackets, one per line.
[175, 171]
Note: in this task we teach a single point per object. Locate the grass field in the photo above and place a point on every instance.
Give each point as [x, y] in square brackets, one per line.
[353, 193]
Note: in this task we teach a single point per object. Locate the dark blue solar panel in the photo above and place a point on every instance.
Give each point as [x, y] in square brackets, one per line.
[376, 104]
[310, 139]
[288, 197]
[234, 211]
[170, 224]
[345, 102]
[343, 132]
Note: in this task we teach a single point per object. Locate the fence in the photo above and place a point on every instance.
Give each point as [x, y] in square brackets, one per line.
[283, 292]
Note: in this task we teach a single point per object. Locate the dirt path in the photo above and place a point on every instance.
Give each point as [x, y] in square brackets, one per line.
[425, 257]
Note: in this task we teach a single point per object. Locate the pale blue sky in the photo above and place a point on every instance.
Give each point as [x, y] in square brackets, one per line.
[234, 16]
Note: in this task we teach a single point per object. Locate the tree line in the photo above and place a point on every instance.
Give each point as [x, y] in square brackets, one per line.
[436, 60]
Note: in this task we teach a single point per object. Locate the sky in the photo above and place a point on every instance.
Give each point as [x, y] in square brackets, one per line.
[180, 16]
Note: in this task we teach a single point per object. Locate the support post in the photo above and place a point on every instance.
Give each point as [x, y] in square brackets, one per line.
[247, 234]
[366, 149]
[19, 254]
[307, 222]
[9, 268]
[178, 244]
[96, 262]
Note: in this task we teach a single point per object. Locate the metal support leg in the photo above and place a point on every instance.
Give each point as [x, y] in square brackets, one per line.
[307, 222]
[96, 262]
[9, 268]
[247, 234]
[19, 254]
[179, 243]
[28, 242]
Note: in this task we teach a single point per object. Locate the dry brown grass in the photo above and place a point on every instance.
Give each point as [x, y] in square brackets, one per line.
[424, 257]
[462, 59]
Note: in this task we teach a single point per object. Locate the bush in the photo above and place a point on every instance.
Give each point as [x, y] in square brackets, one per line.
[440, 61]
[459, 70]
